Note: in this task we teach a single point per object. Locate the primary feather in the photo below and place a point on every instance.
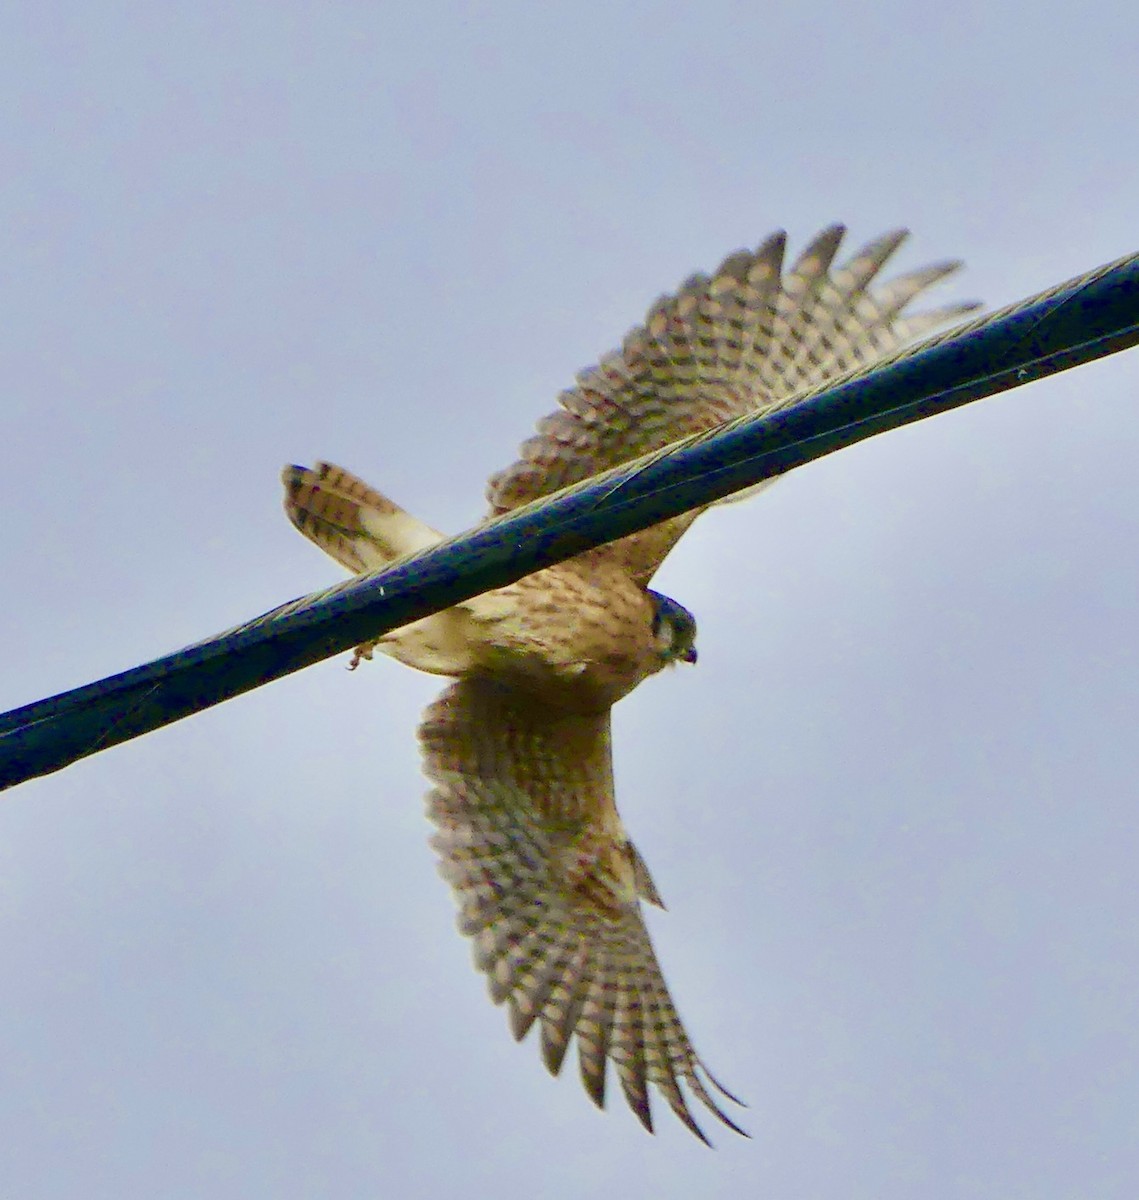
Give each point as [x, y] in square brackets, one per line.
[745, 339]
[548, 883]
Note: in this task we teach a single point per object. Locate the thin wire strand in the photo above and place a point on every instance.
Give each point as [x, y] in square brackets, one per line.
[1069, 324]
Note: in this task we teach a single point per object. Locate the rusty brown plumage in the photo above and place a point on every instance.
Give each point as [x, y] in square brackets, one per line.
[744, 339]
[545, 877]
[517, 749]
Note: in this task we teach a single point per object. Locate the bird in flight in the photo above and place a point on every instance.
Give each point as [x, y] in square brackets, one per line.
[517, 748]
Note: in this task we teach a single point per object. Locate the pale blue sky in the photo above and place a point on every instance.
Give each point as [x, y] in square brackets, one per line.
[893, 808]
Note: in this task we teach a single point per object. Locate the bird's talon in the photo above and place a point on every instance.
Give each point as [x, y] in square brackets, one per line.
[360, 653]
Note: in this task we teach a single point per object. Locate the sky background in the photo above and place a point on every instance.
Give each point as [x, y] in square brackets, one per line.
[892, 810]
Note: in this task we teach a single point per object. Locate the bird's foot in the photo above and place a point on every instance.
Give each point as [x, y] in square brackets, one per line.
[364, 651]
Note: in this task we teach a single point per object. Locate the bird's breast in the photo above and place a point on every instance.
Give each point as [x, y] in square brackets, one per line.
[579, 633]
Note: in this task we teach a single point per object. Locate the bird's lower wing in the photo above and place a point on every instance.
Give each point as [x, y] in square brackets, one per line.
[547, 887]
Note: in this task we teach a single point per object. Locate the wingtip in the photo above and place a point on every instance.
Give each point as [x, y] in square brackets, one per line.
[721, 1089]
[817, 256]
[637, 1097]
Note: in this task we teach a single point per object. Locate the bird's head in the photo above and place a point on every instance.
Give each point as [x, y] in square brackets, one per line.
[674, 629]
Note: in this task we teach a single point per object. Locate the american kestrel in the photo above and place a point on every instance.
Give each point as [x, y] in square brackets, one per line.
[517, 749]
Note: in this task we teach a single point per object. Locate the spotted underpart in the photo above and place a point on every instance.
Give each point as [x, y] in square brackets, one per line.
[548, 882]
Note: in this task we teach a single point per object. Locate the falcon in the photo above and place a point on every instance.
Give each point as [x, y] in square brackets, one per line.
[517, 749]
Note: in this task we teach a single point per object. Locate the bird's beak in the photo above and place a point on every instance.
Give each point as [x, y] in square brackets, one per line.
[689, 656]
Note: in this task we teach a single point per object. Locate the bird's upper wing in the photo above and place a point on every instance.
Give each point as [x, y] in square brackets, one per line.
[548, 887]
[744, 339]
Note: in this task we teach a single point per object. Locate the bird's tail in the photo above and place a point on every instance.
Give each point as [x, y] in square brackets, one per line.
[365, 531]
[358, 526]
